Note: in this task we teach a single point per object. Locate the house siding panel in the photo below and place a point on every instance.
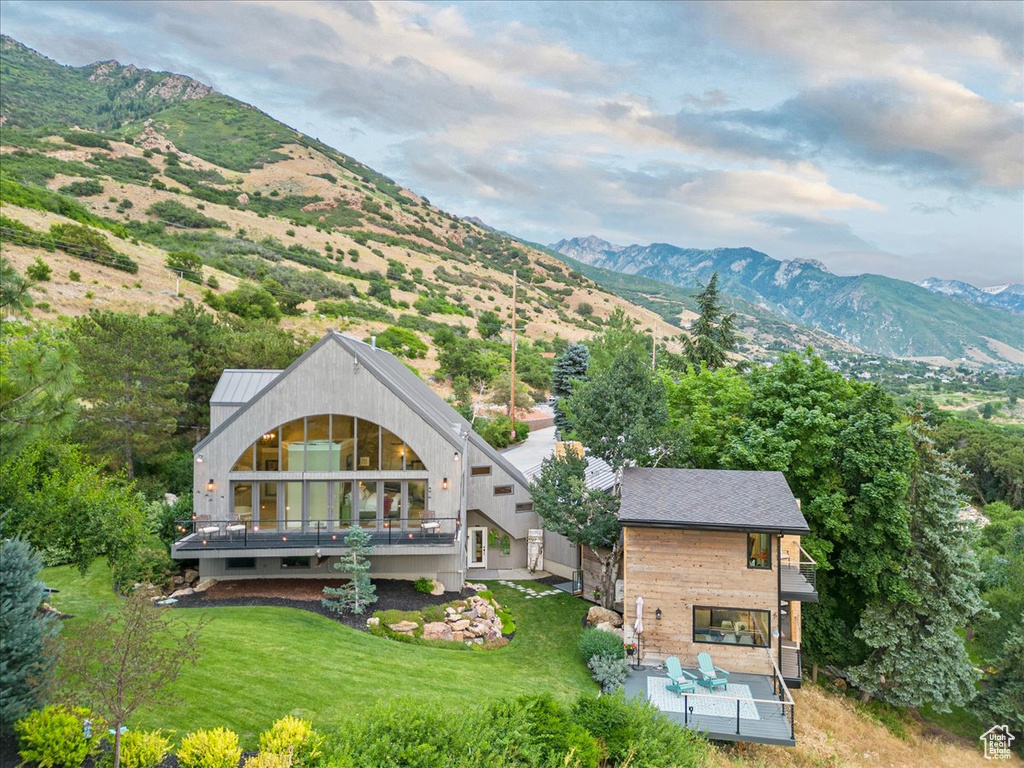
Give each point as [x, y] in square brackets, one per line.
[675, 570]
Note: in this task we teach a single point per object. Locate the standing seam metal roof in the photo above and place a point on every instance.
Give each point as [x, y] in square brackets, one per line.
[238, 386]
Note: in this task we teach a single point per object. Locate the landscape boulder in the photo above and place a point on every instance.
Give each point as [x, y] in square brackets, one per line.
[598, 615]
[437, 630]
[372, 623]
[438, 588]
[403, 627]
[606, 626]
[204, 585]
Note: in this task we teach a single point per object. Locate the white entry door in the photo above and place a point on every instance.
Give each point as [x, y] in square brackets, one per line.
[477, 547]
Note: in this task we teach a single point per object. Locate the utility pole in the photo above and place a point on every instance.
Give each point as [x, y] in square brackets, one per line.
[515, 322]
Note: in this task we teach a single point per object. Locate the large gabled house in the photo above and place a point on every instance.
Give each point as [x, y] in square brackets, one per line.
[349, 436]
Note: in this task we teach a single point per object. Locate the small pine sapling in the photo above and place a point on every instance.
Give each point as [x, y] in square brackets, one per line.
[359, 592]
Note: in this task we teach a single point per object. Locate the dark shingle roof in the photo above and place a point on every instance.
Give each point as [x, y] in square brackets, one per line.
[717, 499]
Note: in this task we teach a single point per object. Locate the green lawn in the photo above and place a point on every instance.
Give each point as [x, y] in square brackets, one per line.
[259, 664]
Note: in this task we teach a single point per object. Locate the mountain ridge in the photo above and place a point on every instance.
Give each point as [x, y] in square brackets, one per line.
[876, 313]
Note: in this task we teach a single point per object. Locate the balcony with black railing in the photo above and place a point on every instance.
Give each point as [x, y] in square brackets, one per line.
[799, 579]
[198, 534]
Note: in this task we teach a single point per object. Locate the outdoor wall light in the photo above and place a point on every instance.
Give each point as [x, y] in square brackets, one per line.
[199, 458]
[210, 484]
[657, 615]
[457, 456]
[444, 484]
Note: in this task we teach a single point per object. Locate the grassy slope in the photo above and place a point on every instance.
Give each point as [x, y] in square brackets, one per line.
[259, 664]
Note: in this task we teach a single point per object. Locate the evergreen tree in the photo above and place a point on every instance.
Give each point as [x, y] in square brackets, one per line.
[15, 297]
[712, 335]
[135, 376]
[569, 367]
[620, 414]
[585, 517]
[916, 655]
[359, 592]
[38, 372]
[25, 665]
[1002, 703]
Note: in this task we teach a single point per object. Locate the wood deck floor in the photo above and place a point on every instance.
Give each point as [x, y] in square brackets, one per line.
[774, 725]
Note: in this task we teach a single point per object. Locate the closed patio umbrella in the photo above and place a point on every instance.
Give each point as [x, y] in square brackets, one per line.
[638, 629]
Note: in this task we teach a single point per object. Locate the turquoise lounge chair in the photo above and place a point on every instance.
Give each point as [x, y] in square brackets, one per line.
[681, 680]
[714, 677]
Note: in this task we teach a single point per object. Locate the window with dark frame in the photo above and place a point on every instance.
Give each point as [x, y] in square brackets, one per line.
[480, 471]
[759, 551]
[503, 490]
[295, 562]
[524, 506]
[240, 563]
[732, 626]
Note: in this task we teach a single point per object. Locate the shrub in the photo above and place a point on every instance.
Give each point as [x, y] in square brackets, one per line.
[498, 431]
[213, 282]
[290, 232]
[74, 276]
[424, 585]
[83, 188]
[292, 737]
[610, 673]
[143, 749]
[584, 309]
[253, 302]
[401, 733]
[531, 730]
[216, 748]
[39, 271]
[597, 642]
[636, 733]
[86, 243]
[53, 737]
[174, 212]
[401, 342]
[268, 760]
[86, 139]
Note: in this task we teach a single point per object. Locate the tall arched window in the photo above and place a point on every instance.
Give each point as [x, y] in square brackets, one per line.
[330, 443]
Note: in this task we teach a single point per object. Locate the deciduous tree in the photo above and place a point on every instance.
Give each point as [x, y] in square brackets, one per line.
[586, 517]
[121, 662]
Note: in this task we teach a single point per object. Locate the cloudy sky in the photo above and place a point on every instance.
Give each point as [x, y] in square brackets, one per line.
[876, 137]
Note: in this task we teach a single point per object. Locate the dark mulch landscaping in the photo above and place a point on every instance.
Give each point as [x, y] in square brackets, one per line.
[306, 593]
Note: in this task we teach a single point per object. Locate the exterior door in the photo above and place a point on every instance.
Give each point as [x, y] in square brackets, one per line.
[477, 547]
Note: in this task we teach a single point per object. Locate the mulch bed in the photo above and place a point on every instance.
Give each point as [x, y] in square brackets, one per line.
[305, 594]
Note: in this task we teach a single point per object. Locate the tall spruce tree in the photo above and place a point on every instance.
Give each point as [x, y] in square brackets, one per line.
[25, 665]
[134, 378]
[359, 592]
[570, 366]
[917, 655]
[713, 334]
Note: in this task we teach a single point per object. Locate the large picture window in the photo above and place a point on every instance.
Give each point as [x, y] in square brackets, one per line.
[328, 443]
[759, 550]
[731, 626]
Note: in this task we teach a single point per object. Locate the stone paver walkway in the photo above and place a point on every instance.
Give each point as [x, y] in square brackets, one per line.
[530, 592]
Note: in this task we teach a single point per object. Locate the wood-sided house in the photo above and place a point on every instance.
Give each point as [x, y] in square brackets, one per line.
[716, 556]
[348, 436]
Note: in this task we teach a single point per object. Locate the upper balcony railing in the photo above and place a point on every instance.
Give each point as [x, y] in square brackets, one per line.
[199, 533]
[800, 578]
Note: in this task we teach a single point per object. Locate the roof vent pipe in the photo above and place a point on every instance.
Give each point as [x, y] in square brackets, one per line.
[373, 342]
